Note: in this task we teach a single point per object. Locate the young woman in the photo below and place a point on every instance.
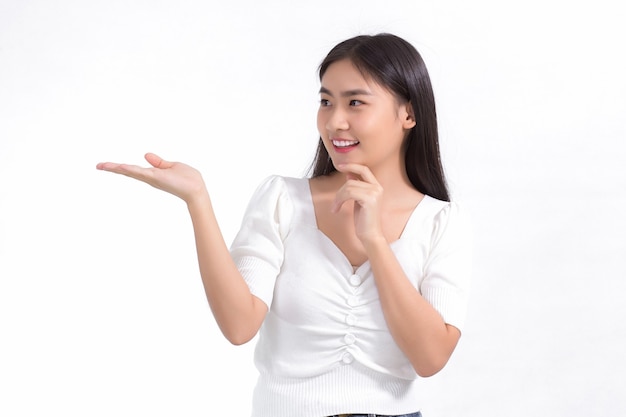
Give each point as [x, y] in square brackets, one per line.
[357, 278]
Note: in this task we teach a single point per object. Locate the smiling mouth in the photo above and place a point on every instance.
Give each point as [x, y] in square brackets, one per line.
[342, 144]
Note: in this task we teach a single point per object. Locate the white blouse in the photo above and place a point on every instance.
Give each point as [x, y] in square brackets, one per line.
[324, 347]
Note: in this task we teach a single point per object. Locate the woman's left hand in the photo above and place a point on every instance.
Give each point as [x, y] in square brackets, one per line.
[362, 188]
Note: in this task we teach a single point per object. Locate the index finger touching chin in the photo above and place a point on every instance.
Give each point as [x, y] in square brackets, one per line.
[353, 171]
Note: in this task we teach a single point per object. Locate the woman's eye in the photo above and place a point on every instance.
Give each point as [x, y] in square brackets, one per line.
[355, 102]
[324, 102]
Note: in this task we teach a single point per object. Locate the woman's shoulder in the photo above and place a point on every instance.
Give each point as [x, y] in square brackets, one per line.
[277, 181]
[282, 191]
[442, 215]
[436, 207]
[278, 184]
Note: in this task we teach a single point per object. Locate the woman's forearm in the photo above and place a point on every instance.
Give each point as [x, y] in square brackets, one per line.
[415, 325]
[238, 313]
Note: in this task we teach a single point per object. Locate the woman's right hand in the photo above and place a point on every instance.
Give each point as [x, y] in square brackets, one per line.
[238, 313]
[175, 178]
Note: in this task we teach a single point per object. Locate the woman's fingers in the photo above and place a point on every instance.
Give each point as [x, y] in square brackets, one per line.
[173, 177]
[353, 189]
[158, 162]
[133, 171]
[361, 186]
[105, 166]
[358, 172]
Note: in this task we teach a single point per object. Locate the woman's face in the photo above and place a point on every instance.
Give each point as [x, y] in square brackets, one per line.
[359, 121]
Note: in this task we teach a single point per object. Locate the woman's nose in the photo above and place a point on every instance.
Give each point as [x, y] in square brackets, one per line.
[337, 120]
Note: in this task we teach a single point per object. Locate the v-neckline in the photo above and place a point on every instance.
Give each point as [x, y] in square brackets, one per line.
[313, 220]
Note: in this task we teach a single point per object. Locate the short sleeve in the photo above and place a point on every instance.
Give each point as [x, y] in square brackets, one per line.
[447, 270]
[258, 249]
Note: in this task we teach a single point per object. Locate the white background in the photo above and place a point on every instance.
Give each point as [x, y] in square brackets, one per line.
[102, 311]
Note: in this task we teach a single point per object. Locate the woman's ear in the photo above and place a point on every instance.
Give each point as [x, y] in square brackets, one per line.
[408, 116]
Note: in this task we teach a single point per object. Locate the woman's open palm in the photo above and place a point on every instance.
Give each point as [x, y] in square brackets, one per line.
[175, 178]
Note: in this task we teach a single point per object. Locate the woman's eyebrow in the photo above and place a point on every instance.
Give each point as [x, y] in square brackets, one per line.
[348, 93]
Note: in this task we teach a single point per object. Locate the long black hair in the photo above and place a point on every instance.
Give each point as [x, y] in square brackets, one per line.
[396, 65]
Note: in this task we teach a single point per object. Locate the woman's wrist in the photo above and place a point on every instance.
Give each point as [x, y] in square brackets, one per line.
[198, 200]
[373, 243]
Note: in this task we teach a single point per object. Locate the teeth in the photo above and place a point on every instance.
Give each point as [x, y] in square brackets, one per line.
[345, 143]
